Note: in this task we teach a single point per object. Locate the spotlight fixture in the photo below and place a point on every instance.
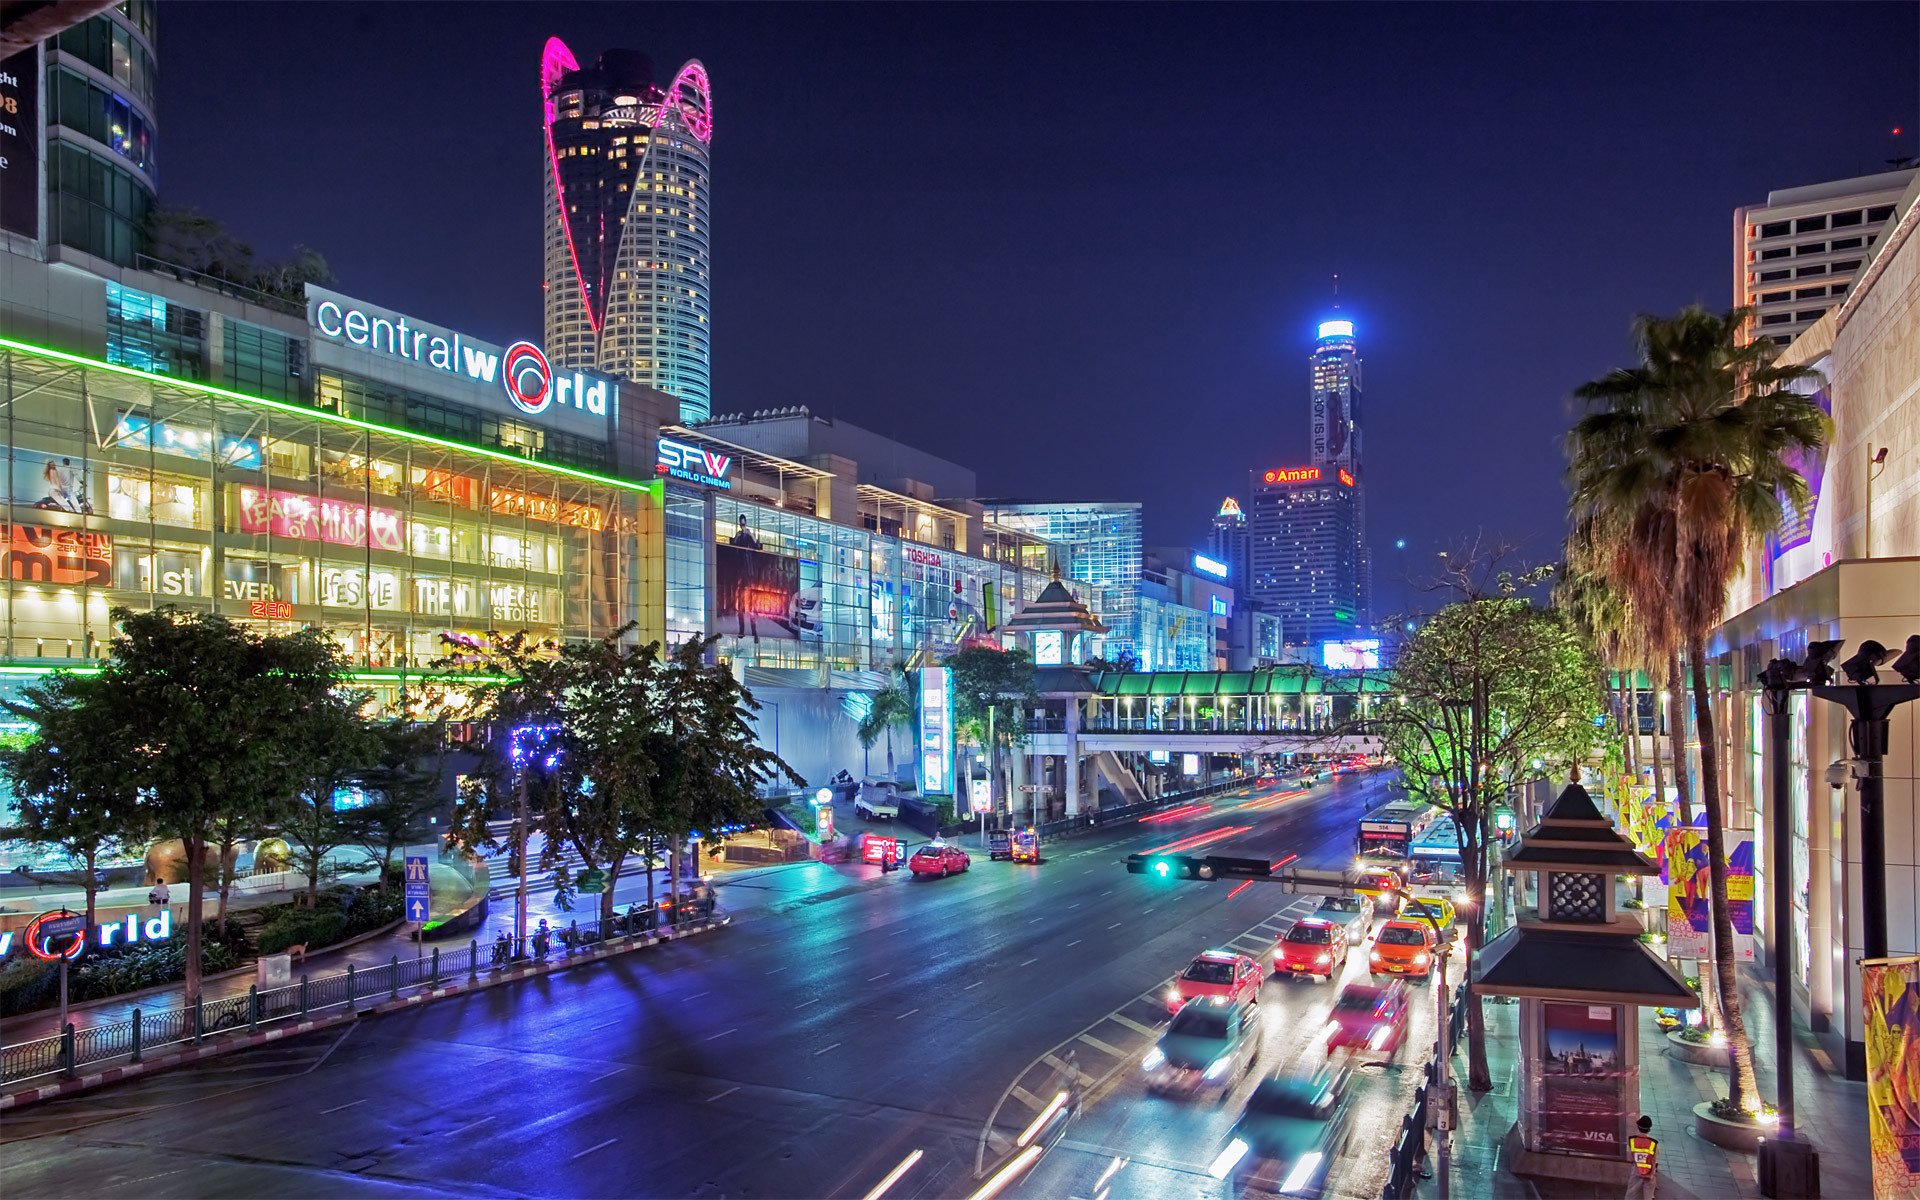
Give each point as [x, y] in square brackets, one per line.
[1820, 656]
[1907, 666]
[1864, 666]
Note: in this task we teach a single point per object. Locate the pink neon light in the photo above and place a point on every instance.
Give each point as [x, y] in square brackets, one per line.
[699, 120]
[555, 61]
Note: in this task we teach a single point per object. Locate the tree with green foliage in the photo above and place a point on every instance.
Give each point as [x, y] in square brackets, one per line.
[894, 706]
[401, 786]
[1680, 463]
[618, 748]
[327, 748]
[991, 689]
[204, 705]
[1487, 688]
[71, 793]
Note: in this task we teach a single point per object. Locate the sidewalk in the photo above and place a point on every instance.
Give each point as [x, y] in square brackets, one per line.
[1830, 1111]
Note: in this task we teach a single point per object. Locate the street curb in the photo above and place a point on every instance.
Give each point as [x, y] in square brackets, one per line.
[213, 1045]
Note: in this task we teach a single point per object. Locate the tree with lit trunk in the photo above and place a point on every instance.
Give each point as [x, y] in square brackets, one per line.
[1493, 690]
[1680, 464]
[990, 687]
[892, 707]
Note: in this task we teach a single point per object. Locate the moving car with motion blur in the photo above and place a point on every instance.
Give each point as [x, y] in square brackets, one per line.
[1370, 1020]
[1290, 1133]
[1314, 946]
[1355, 912]
[1217, 977]
[1205, 1046]
[1403, 948]
[938, 858]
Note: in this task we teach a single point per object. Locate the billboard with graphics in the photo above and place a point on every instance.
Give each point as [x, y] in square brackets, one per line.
[758, 595]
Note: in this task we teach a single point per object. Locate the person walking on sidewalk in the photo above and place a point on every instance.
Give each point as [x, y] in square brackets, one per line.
[1645, 1150]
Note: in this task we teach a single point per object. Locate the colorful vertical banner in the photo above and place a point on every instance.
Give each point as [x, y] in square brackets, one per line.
[1689, 889]
[936, 731]
[1689, 886]
[1891, 988]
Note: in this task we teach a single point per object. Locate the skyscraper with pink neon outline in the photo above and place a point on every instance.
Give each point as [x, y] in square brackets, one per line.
[628, 276]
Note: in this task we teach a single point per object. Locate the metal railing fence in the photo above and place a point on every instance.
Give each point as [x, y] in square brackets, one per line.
[66, 1052]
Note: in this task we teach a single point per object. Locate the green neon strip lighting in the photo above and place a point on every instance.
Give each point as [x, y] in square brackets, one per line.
[16, 669]
[653, 487]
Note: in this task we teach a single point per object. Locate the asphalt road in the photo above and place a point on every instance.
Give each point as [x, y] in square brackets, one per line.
[845, 1020]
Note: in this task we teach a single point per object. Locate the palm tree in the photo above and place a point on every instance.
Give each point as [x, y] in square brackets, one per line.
[1680, 464]
[894, 706]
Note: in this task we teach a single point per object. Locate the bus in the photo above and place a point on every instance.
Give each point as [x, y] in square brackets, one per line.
[1388, 833]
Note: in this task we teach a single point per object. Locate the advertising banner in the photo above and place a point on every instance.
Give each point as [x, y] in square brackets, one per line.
[1891, 988]
[1689, 905]
[758, 595]
[936, 731]
[20, 143]
[51, 481]
[1581, 1079]
[62, 557]
[293, 515]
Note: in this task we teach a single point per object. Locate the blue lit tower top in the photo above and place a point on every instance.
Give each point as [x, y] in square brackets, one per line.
[1336, 396]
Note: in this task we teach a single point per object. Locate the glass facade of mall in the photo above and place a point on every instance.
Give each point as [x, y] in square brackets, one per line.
[140, 490]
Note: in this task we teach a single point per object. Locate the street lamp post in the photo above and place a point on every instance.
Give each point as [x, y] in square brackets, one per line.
[1442, 1052]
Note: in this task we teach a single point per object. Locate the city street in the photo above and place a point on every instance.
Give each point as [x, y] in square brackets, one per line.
[844, 1021]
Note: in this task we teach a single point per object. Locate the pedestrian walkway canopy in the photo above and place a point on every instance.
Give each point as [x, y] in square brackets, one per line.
[1265, 681]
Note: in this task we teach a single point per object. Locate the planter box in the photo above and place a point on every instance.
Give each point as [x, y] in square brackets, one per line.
[1743, 1136]
[1699, 1053]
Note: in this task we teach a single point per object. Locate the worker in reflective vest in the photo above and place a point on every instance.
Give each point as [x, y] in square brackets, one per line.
[1645, 1152]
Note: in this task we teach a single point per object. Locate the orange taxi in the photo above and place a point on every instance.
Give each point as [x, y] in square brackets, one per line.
[1402, 948]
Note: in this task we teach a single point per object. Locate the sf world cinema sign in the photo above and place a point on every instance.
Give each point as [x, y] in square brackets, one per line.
[520, 374]
[692, 464]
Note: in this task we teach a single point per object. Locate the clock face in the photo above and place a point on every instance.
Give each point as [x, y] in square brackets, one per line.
[1047, 648]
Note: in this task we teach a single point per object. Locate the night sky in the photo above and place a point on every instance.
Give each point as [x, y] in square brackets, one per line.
[1083, 249]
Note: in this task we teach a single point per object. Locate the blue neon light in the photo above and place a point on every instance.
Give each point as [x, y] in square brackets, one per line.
[1336, 329]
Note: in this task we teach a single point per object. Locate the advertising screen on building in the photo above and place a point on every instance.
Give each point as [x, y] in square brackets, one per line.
[1355, 654]
[758, 595]
[293, 515]
[62, 557]
[20, 143]
[936, 731]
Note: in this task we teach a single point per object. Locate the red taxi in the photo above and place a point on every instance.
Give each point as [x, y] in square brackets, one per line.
[938, 858]
[1314, 946]
[1218, 976]
[1370, 1019]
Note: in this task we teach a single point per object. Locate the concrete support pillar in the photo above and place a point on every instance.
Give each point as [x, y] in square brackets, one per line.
[1073, 757]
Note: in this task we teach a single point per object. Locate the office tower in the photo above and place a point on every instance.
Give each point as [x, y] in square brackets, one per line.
[95, 102]
[1304, 564]
[628, 275]
[1797, 255]
[1227, 542]
[1335, 368]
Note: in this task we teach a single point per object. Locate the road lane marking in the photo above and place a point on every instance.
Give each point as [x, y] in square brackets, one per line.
[695, 996]
[1145, 911]
[601, 1146]
[461, 1129]
[608, 1075]
[716, 1037]
[1027, 1098]
[776, 970]
[1116, 925]
[1075, 942]
[903, 1016]
[1132, 1024]
[881, 975]
[824, 1049]
[723, 1095]
[340, 1107]
[603, 1025]
[976, 983]
[1101, 1046]
[804, 1003]
[1029, 962]
[1036, 920]
[1109, 891]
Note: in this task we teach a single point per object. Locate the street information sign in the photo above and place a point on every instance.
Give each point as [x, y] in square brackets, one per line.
[419, 889]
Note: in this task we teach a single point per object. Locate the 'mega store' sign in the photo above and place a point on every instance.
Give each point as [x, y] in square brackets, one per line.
[519, 375]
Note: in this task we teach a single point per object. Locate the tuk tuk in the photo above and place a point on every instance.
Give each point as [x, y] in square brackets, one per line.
[999, 844]
[1026, 846]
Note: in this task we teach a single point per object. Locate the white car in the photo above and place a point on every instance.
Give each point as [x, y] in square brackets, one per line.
[876, 803]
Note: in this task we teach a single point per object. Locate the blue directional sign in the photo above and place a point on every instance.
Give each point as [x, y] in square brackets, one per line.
[419, 889]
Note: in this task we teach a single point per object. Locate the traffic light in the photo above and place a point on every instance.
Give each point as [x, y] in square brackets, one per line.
[1169, 866]
[1180, 866]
